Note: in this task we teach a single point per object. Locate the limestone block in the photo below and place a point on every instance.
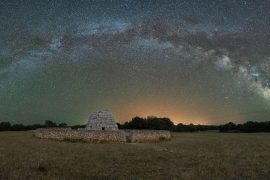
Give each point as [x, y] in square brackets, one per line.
[102, 120]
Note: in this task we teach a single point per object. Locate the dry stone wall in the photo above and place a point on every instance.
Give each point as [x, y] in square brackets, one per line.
[147, 135]
[79, 135]
[122, 136]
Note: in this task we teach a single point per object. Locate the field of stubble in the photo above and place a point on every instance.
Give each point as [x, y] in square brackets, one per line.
[186, 156]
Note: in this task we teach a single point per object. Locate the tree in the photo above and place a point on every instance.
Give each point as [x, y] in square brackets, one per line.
[137, 123]
[62, 125]
[49, 123]
[19, 127]
[5, 126]
[151, 122]
[228, 127]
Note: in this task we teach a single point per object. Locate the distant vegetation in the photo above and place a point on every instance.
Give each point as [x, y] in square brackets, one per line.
[166, 124]
[6, 126]
[249, 126]
[155, 123]
[150, 122]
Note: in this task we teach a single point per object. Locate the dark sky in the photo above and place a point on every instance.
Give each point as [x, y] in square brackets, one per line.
[193, 61]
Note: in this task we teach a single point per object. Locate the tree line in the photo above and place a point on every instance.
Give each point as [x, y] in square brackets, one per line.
[7, 126]
[158, 123]
[166, 124]
[249, 127]
[154, 123]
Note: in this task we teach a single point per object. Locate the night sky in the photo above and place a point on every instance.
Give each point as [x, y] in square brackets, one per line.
[194, 61]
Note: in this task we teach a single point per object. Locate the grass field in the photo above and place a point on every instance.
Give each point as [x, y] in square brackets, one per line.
[186, 156]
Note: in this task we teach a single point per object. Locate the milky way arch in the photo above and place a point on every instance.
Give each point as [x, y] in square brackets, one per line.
[193, 61]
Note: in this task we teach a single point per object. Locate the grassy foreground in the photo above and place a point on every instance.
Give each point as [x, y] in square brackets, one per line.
[186, 156]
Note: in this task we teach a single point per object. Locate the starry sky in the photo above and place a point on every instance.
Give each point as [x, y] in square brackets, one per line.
[194, 61]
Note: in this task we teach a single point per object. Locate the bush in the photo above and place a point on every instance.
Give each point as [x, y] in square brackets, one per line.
[49, 123]
[5, 126]
[62, 125]
[248, 127]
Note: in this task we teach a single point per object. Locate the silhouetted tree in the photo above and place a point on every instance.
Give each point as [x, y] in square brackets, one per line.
[151, 122]
[248, 127]
[19, 127]
[5, 126]
[228, 127]
[49, 123]
[62, 125]
[137, 123]
[35, 126]
[77, 126]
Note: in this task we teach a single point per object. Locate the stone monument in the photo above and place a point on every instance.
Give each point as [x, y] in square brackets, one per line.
[101, 127]
[101, 120]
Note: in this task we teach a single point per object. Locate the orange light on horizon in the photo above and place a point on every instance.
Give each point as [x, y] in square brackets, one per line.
[172, 112]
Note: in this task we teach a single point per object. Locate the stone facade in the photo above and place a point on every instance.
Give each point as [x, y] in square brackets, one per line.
[101, 120]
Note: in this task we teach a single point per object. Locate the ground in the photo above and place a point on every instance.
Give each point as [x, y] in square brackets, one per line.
[187, 156]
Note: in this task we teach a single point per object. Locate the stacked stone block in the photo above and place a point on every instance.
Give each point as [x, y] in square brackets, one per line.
[79, 135]
[102, 120]
[147, 135]
[122, 136]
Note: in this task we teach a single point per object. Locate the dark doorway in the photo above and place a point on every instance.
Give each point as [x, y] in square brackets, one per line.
[103, 128]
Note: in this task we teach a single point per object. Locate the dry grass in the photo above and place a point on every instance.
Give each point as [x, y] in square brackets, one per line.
[187, 156]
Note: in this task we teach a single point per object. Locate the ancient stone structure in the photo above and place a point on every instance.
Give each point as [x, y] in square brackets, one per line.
[101, 120]
[121, 136]
[101, 127]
